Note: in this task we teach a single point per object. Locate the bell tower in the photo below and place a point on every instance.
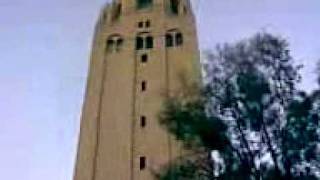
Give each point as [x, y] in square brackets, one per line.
[140, 51]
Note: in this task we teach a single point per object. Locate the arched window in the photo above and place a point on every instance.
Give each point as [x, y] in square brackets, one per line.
[117, 12]
[114, 43]
[110, 45]
[144, 41]
[140, 24]
[139, 43]
[119, 9]
[179, 39]
[119, 44]
[169, 40]
[174, 6]
[144, 4]
[149, 42]
[148, 23]
[174, 38]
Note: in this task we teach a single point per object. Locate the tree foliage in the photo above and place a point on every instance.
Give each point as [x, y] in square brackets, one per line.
[251, 113]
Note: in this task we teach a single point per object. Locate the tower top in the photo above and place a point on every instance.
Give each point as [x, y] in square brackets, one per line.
[145, 4]
[118, 8]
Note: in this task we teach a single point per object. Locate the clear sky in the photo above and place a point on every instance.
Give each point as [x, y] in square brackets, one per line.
[44, 50]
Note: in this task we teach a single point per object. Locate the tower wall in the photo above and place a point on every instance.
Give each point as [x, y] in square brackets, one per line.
[112, 139]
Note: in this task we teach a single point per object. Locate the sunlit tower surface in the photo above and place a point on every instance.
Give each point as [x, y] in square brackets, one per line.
[141, 51]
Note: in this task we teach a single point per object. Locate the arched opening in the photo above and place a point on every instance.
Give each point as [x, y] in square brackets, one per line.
[114, 43]
[141, 4]
[139, 43]
[174, 6]
[110, 45]
[119, 44]
[148, 23]
[149, 42]
[144, 41]
[140, 24]
[169, 40]
[117, 12]
[179, 39]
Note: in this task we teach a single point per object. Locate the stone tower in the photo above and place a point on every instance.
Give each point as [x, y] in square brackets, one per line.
[141, 49]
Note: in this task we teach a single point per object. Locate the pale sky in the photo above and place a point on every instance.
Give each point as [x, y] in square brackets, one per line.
[44, 50]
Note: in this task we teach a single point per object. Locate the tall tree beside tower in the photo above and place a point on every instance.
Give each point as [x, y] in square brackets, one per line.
[250, 121]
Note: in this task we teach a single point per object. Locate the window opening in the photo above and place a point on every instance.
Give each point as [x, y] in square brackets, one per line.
[140, 24]
[169, 40]
[143, 121]
[141, 4]
[142, 162]
[119, 44]
[110, 45]
[179, 39]
[144, 58]
[117, 11]
[174, 6]
[148, 23]
[143, 86]
[149, 42]
[139, 43]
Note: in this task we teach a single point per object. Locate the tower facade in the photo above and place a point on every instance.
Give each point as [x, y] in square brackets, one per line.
[141, 51]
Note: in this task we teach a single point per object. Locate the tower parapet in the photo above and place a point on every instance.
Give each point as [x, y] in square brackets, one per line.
[112, 12]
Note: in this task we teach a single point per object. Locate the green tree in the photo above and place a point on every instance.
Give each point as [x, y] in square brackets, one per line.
[250, 113]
